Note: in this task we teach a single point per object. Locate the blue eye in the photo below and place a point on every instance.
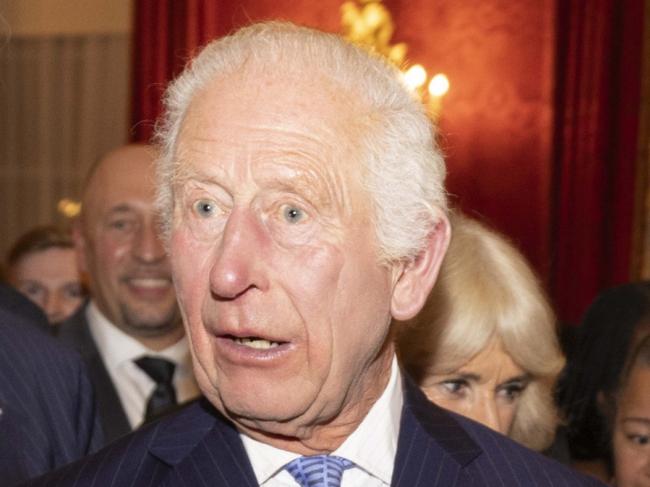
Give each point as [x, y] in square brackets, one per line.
[292, 214]
[204, 208]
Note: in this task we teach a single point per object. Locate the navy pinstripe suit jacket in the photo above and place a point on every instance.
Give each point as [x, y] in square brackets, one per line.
[198, 447]
[47, 415]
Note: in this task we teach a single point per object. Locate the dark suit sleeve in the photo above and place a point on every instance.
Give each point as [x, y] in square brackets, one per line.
[47, 416]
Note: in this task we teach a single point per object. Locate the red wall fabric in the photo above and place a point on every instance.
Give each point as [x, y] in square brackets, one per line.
[505, 62]
[168, 32]
[496, 124]
[597, 112]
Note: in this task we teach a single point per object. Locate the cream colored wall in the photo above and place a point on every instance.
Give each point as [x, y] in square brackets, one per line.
[66, 17]
[64, 101]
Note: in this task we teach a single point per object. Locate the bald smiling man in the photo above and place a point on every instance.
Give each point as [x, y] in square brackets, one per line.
[132, 314]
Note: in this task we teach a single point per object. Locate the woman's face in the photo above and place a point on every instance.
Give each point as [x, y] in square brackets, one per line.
[50, 278]
[631, 439]
[486, 389]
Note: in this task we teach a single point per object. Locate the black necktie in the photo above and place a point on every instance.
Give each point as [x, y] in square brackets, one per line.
[163, 396]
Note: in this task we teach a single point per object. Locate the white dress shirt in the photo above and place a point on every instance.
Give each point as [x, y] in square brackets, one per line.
[372, 446]
[118, 351]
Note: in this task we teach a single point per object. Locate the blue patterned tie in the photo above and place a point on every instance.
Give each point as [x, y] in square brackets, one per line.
[318, 471]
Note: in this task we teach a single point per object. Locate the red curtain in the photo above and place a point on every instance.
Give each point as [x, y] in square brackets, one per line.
[556, 174]
[167, 32]
[165, 35]
[597, 115]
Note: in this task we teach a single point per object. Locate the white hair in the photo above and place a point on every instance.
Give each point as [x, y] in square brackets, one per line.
[404, 169]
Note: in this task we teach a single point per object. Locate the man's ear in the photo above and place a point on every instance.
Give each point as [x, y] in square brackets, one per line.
[79, 245]
[418, 276]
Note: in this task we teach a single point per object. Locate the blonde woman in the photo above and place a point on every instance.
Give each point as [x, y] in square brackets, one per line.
[485, 345]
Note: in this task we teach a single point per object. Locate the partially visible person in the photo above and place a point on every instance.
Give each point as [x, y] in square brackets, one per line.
[610, 328]
[42, 265]
[130, 334]
[47, 413]
[631, 421]
[485, 344]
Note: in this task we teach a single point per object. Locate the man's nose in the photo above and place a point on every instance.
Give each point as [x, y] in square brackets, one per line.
[147, 246]
[486, 411]
[238, 259]
[54, 307]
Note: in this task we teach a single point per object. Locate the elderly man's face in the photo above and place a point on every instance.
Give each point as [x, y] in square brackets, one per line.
[274, 255]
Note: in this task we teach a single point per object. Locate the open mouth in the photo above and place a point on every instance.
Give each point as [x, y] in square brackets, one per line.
[255, 342]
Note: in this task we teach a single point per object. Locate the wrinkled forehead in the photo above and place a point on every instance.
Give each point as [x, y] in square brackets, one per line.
[259, 100]
[270, 124]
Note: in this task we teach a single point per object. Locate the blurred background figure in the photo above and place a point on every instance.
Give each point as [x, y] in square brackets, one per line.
[630, 419]
[611, 327]
[42, 265]
[47, 406]
[130, 332]
[485, 344]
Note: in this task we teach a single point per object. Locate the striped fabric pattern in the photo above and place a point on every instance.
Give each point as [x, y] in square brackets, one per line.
[47, 414]
[318, 470]
[199, 447]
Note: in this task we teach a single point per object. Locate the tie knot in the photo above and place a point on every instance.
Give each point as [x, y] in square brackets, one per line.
[318, 470]
[160, 370]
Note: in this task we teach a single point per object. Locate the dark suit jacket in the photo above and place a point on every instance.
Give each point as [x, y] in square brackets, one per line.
[198, 446]
[75, 333]
[47, 414]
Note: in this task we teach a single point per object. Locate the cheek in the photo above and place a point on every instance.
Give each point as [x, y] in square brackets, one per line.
[109, 253]
[190, 272]
[507, 416]
[310, 274]
[626, 461]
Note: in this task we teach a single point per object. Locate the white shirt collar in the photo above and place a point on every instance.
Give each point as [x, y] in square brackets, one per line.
[380, 428]
[132, 384]
[117, 348]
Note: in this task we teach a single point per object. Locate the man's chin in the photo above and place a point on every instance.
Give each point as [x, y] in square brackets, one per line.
[274, 430]
[151, 323]
[258, 417]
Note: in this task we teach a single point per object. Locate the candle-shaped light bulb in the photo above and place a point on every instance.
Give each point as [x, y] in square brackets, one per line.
[415, 77]
[439, 85]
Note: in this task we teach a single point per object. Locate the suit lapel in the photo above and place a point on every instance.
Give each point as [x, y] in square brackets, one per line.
[203, 448]
[432, 448]
[75, 333]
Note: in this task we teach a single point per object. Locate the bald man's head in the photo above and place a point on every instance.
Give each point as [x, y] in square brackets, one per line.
[118, 245]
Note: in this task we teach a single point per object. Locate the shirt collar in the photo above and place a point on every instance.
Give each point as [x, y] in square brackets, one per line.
[380, 428]
[118, 348]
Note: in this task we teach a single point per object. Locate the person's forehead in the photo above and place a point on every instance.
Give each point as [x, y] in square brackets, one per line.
[54, 260]
[636, 394]
[255, 102]
[304, 134]
[120, 182]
